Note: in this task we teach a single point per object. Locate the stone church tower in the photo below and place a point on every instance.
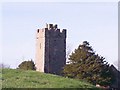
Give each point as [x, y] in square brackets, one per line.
[50, 49]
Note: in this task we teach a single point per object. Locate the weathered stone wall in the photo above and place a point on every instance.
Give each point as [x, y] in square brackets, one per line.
[54, 45]
[40, 49]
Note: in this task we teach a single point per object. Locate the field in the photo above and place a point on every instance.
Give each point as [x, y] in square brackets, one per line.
[14, 78]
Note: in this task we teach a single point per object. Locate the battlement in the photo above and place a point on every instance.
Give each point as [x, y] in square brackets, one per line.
[51, 26]
[52, 31]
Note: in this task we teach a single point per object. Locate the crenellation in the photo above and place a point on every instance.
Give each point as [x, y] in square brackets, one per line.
[64, 33]
[58, 30]
[49, 26]
[55, 26]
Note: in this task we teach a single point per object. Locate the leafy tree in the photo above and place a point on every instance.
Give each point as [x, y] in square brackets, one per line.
[27, 65]
[85, 64]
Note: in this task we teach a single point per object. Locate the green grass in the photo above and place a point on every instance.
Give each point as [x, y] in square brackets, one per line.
[13, 78]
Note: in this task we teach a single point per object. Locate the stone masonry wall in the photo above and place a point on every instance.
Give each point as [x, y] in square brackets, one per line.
[40, 49]
[52, 56]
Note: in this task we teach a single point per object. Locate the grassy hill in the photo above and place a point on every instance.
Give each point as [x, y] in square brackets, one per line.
[13, 78]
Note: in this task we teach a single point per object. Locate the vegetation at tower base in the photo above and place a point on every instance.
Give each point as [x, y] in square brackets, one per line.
[86, 65]
[18, 78]
[27, 65]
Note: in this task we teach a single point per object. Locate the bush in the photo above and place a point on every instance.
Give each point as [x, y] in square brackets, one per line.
[27, 65]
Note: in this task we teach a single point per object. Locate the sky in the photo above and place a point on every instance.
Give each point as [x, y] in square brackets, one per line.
[95, 22]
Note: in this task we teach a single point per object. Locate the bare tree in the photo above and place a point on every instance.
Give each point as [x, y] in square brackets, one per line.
[68, 51]
[2, 65]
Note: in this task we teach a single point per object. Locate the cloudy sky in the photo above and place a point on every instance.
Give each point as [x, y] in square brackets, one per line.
[95, 22]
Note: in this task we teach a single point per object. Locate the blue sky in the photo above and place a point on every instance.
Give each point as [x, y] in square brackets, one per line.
[96, 22]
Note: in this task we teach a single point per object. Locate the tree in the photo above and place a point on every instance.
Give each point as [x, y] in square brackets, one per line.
[27, 65]
[85, 64]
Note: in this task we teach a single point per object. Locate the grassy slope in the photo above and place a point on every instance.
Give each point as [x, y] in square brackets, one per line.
[12, 78]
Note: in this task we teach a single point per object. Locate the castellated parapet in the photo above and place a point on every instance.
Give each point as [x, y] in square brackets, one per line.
[50, 49]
